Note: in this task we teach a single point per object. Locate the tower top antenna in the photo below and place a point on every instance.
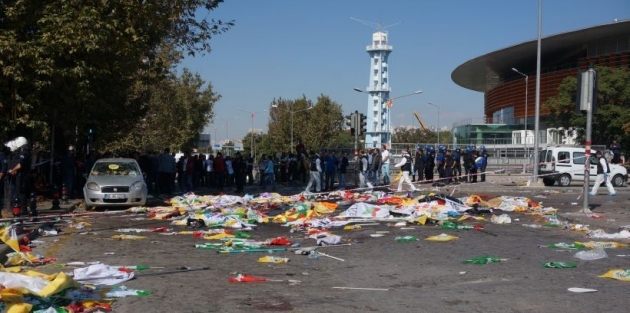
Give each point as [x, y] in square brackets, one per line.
[378, 26]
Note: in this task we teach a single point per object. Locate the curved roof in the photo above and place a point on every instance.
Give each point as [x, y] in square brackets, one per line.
[490, 70]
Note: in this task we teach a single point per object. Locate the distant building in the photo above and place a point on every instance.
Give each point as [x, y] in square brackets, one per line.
[506, 113]
[204, 141]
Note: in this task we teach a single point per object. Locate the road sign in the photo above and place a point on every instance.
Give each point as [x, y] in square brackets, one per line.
[217, 146]
[238, 147]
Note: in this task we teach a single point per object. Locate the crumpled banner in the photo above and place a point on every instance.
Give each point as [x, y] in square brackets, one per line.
[10, 238]
[618, 274]
[35, 283]
[101, 274]
[365, 210]
[441, 237]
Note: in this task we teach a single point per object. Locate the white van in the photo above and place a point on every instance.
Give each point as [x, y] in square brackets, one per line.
[564, 164]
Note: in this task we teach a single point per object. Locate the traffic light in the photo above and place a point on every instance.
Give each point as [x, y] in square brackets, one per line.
[362, 124]
[351, 122]
[90, 133]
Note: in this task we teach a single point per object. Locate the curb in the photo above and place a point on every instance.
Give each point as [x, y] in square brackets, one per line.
[34, 233]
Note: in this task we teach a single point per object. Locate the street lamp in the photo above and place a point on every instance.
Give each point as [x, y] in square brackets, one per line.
[275, 106]
[252, 131]
[526, 79]
[438, 121]
[390, 101]
[226, 126]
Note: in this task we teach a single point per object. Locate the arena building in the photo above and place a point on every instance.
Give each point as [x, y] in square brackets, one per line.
[507, 77]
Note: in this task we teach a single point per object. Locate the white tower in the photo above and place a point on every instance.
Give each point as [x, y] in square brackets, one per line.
[378, 112]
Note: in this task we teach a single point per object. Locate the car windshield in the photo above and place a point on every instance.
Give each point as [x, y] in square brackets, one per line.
[115, 168]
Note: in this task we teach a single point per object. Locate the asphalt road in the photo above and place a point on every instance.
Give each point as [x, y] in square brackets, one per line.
[420, 276]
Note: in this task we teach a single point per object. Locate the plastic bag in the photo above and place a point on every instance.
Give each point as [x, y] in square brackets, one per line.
[594, 254]
[273, 259]
[603, 244]
[559, 265]
[501, 219]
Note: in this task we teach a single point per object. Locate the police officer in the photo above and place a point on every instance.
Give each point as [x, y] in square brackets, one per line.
[429, 164]
[439, 160]
[469, 160]
[483, 154]
[18, 174]
[418, 166]
[457, 164]
[449, 163]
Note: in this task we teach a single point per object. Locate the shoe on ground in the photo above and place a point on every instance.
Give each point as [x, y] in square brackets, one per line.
[613, 194]
[591, 194]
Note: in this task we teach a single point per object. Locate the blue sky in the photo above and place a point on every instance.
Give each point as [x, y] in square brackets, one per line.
[289, 48]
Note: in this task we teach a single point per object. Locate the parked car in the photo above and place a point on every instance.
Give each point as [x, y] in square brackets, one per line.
[564, 164]
[115, 182]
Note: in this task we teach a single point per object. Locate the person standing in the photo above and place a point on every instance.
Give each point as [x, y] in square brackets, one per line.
[615, 147]
[331, 166]
[219, 170]
[270, 175]
[240, 171]
[377, 162]
[364, 164]
[484, 164]
[429, 164]
[315, 169]
[18, 174]
[209, 168]
[474, 165]
[262, 166]
[4, 161]
[449, 164]
[405, 167]
[250, 170]
[468, 162]
[603, 175]
[457, 164]
[166, 168]
[342, 168]
[385, 156]
[418, 166]
[439, 160]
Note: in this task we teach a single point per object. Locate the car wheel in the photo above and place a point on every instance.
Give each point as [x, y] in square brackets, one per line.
[564, 180]
[617, 180]
[548, 182]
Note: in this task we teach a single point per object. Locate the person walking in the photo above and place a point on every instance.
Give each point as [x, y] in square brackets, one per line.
[603, 175]
[331, 167]
[315, 169]
[385, 156]
[405, 167]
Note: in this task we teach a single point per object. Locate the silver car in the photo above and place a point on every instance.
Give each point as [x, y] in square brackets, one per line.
[115, 182]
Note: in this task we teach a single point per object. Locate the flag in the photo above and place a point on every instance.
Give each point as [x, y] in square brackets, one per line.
[389, 103]
[9, 237]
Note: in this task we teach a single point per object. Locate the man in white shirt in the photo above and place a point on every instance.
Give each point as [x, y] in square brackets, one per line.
[405, 167]
[316, 170]
[603, 175]
[385, 166]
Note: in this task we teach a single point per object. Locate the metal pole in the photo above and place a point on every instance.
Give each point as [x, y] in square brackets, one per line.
[526, 79]
[438, 127]
[537, 117]
[587, 152]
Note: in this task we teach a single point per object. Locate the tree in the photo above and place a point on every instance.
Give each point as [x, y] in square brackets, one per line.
[612, 117]
[179, 108]
[416, 135]
[318, 127]
[70, 63]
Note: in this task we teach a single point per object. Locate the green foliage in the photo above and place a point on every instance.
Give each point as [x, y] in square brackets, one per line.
[612, 117]
[417, 135]
[180, 108]
[72, 62]
[319, 125]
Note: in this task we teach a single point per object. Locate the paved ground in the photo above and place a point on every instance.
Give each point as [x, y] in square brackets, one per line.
[419, 276]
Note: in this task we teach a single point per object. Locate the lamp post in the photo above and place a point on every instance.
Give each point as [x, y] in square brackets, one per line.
[438, 121]
[526, 79]
[226, 126]
[390, 101]
[275, 106]
[252, 130]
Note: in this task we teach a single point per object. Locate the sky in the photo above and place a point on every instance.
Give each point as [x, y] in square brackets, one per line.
[293, 48]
